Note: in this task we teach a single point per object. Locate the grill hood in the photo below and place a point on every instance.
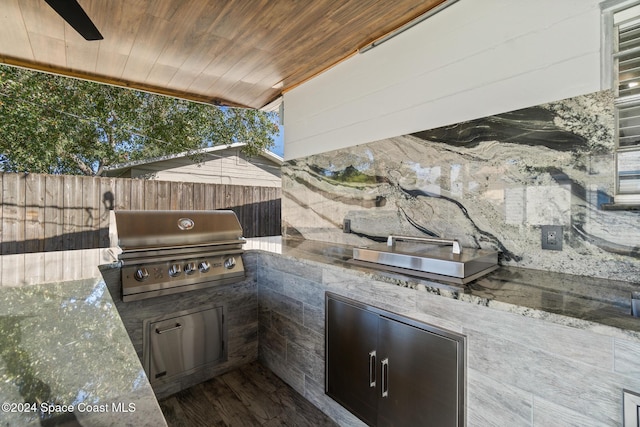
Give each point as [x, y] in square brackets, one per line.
[139, 230]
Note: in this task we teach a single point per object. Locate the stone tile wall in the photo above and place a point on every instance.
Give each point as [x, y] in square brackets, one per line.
[521, 371]
[291, 306]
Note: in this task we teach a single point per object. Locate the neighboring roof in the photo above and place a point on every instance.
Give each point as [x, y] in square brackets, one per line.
[206, 151]
[237, 53]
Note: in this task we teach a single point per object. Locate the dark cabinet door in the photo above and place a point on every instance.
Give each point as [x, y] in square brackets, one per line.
[351, 358]
[392, 371]
[419, 377]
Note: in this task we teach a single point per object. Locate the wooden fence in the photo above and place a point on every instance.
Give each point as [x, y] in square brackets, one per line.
[42, 213]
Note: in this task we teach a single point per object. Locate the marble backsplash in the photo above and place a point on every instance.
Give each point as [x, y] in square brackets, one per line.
[490, 183]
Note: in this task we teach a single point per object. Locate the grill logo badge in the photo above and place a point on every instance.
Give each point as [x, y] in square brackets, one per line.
[185, 223]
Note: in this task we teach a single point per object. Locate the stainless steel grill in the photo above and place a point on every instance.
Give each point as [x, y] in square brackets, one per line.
[166, 252]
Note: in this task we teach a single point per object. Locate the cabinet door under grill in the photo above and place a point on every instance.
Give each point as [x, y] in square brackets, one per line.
[179, 345]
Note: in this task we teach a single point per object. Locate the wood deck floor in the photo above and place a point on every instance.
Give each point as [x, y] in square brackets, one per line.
[249, 396]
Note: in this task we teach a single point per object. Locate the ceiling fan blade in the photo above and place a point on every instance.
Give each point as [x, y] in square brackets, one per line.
[72, 12]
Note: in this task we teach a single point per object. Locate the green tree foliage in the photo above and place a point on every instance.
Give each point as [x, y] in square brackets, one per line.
[59, 125]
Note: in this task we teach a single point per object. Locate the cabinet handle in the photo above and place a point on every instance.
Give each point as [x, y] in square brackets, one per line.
[385, 377]
[162, 331]
[372, 369]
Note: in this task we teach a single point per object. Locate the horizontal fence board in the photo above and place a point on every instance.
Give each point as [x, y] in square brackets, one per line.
[46, 213]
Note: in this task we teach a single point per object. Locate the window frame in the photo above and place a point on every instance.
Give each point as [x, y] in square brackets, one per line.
[609, 80]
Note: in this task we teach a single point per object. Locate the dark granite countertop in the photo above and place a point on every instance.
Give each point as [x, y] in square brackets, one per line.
[576, 301]
[65, 357]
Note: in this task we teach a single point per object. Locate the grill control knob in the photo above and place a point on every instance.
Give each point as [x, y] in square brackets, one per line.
[204, 266]
[190, 268]
[141, 274]
[175, 270]
[229, 263]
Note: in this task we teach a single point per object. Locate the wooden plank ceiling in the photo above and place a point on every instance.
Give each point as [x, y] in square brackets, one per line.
[225, 52]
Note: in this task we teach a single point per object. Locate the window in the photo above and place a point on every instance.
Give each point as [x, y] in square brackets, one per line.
[621, 26]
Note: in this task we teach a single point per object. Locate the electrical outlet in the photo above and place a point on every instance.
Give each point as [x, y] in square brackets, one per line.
[552, 237]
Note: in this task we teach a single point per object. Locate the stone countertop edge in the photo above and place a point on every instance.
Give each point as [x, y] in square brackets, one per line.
[598, 305]
[64, 348]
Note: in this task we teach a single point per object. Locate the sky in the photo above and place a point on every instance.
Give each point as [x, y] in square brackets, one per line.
[278, 148]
